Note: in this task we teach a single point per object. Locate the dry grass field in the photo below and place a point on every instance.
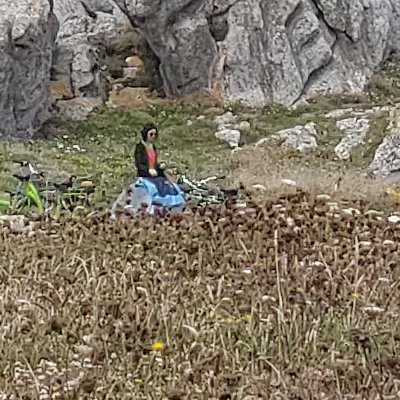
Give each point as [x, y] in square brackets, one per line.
[295, 297]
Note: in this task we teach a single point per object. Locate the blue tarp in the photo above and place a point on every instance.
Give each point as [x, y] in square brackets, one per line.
[162, 192]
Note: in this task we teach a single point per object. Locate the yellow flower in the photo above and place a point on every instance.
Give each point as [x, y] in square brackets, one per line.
[228, 320]
[247, 318]
[158, 346]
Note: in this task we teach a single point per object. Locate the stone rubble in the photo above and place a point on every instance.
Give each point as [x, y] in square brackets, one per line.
[229, 129]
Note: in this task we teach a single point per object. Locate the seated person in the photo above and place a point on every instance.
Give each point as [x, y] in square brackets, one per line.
[146, 153]
[147, 165]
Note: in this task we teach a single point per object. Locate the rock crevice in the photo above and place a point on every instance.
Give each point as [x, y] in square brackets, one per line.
[277, 51]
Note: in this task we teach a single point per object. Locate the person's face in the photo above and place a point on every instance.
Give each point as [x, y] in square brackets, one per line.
[151, 135]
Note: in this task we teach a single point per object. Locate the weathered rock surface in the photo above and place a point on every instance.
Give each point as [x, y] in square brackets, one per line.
[27, 33]
[263, 51]
[386, 162]
[354, 133]
[84, 26]
[300, 138]
[387, 156]
[354, 125]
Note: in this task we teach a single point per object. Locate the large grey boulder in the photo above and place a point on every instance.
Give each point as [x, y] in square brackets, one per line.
[84, 26]
[27, 33]
[263, 51]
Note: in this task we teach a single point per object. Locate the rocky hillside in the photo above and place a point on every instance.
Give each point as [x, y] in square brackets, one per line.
[248, 51]
[263, 51]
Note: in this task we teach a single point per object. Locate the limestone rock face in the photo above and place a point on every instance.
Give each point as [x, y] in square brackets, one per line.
[263, 51]
[84, 26]
[28, 30]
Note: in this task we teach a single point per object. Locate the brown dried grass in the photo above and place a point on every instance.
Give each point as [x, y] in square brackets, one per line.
[268, 166]
[284, 301]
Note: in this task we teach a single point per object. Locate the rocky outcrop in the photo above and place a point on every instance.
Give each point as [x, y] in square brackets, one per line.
[84, 26]
[355, 131]
[387, 157]
[263, 51]
[386, 161]
[27, 33]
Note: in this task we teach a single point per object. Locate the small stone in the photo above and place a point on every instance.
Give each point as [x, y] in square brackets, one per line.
[394, 219]
[222, 120]
[134, 62]
[373, 309]
[232, 136]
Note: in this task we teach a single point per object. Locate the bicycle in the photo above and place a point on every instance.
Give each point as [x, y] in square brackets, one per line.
[34, 189]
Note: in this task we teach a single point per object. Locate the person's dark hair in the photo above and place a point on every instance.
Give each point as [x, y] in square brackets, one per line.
[146, 129]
